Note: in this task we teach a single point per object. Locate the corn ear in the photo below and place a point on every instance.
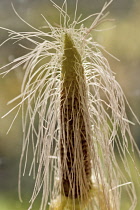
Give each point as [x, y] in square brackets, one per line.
[73, 116]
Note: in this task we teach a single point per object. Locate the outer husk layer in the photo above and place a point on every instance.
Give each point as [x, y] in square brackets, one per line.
[75, 128]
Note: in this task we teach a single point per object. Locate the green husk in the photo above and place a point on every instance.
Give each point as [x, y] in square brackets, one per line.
[75, 150]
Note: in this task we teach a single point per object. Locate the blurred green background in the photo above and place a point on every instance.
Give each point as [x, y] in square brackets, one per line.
[123, 41]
